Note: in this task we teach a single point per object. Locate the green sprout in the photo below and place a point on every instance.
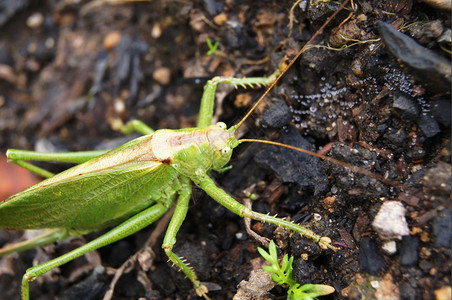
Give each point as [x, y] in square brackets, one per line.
[212, 47]
[282, 274]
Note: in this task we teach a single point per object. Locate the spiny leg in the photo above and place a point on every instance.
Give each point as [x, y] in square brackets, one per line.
[132, 225]
[208, 96]
[170, 238]
[219, 195]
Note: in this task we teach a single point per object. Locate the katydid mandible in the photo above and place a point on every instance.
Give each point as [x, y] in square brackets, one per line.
[134, 185]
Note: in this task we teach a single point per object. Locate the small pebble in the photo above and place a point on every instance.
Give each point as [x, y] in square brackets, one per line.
[35, 20]
[389, 247]
[390, 221]
[443, 293]
[111, 40]
[156, 31]
[220, 19]
[162, 75]
[119, 106]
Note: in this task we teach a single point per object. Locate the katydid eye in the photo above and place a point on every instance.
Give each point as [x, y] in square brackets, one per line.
[222, 125]
[225, 150]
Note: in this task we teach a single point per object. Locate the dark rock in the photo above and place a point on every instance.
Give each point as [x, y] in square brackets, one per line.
[416, 154]
[407, 292]
[277, 115]
[9, 8]
[425, 266]
[395, 137]
[434, 70]
[437, 181]
[442, 228]
[428, 125]
[303, 271]
[353, 183]
[409, 107]
[292, 166]
[409, 250]
[441, 110]
[93, 287]
[370, 260]
[427, 32]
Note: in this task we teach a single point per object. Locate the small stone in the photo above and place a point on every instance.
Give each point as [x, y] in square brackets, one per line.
[370, 260]
[277, 115]
[407, 105]
[390, 221]
[111, 40]
[243, 100]
[162, 75]
[35, 20]
[442, 228]
[443, 293]
[387, 289]
[156, 31]
[220, 19]
[389, 248]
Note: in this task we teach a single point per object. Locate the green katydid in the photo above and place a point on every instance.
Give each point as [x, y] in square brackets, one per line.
[133, 186]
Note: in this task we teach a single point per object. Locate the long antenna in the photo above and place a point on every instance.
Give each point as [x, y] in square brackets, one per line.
[330, 159]
[327, 158]
[291, 63]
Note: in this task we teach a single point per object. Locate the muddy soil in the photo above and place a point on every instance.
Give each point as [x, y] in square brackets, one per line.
[372, 91]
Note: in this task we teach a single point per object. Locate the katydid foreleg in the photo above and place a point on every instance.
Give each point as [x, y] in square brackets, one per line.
[208, 97]
[219, 195]
[50, 236]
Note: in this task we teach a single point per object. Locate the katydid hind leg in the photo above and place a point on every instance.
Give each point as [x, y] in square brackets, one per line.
[43, 239]
[128, 227]
[20, 158]
[64, 157]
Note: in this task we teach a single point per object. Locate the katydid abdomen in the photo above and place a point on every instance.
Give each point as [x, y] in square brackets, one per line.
[95, 194]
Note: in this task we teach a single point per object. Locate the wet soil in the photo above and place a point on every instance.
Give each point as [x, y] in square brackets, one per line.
[373, 91]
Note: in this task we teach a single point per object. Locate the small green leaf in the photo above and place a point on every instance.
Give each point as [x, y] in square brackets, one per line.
[273, 252]
[321, 289]
[263, 253]
[282, 274]
[212, 47]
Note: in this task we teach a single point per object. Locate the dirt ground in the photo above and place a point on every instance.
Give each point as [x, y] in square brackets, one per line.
[372, 91]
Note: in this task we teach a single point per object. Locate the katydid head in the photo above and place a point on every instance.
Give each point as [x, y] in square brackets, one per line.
[221, 141]
[195, 152]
